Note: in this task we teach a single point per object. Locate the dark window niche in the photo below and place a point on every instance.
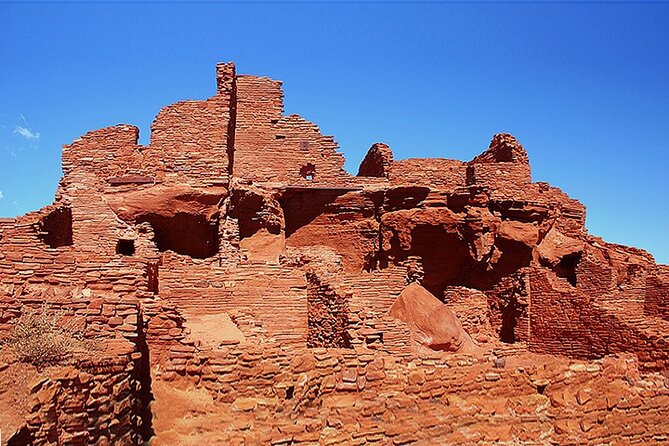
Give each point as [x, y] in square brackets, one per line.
[55, 228]
[290, 392]
[308, 172]
[125, 247]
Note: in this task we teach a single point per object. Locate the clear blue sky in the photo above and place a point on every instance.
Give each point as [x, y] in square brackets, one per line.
[584, 86]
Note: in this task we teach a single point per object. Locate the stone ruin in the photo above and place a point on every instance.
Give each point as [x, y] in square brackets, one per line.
[244, 289]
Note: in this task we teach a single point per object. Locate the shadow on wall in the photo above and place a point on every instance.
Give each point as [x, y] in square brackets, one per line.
[189, 234]
[445, 259]
[55, 228]
[566, 267]
[327, 317]
[301, 208]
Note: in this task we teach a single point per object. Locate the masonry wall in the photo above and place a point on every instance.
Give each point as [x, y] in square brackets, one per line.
[473, 311]
[344, 396]
[26, 259]
[434, 172]
[377, 162]
[93, 401]
[199, 288]
[566, 322]
[98, 315]
[88, 253]
[499, 176]
[189, 144]
[657, 292]
[375, 330]
[376, 289]
[270, 147]
[328, 315]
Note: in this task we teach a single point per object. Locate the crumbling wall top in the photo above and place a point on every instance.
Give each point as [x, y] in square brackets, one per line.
[504, 148]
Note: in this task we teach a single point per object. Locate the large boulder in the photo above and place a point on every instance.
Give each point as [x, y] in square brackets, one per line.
[555, 246]
[432, 324]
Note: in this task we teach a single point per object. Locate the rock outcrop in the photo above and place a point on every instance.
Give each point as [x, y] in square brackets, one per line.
[422, 301]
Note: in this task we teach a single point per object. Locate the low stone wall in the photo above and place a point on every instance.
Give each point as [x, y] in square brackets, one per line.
[93, 401]
[270, 395]
[97, 315]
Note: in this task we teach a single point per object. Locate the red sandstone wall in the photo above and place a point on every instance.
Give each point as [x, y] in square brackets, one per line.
[94, 401]
[507, 177]
[503, 167]
[203, 289]
[565, 321]
[437, 173]
[272, 148]
[189, 143]
[377, 162]
[25, 258]
[345, 222]
[99, 315]
[345, 396]
[656, 292]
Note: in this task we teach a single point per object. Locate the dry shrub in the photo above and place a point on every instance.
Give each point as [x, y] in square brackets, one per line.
[43, 337]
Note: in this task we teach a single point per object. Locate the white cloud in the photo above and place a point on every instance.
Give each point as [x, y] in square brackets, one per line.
[1, 196]
[26, 133]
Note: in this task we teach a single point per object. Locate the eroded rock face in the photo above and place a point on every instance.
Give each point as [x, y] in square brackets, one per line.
[233, 254]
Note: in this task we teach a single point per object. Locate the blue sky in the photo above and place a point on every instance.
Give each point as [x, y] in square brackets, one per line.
[584, 86]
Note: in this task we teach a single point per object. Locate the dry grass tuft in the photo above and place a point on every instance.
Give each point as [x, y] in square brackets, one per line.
[44, 337]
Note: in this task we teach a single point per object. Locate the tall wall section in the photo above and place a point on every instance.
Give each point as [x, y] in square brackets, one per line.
[273, 148]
